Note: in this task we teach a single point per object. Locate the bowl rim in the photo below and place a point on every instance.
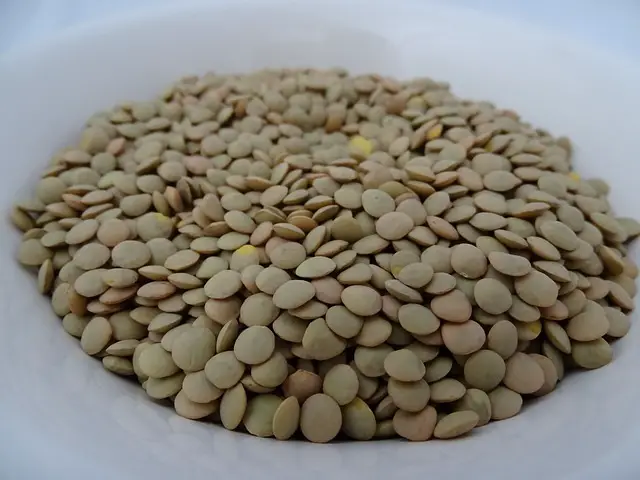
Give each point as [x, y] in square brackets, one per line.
[123, 19]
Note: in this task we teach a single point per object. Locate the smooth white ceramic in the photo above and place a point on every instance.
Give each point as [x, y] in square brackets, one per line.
[63, 416]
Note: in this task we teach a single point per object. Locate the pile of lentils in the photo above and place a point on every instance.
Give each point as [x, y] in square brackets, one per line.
[309, 254]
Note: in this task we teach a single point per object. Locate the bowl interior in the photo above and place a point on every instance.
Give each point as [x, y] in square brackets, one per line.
[62, 412]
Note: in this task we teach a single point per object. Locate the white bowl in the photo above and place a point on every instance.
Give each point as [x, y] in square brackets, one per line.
[63, 416]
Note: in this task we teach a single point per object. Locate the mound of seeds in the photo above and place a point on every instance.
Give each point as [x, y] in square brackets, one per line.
[306, 253]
